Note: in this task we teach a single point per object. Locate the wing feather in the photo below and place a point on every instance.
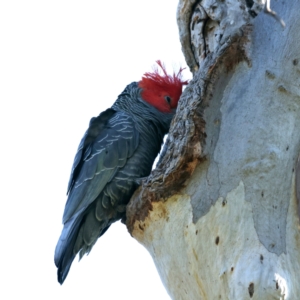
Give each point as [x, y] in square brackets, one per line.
[100, 160]
[95, 127]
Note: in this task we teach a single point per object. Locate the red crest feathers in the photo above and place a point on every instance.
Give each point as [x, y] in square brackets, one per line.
[162, 90]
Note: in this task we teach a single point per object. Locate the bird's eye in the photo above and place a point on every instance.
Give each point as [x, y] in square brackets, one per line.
[168, 99]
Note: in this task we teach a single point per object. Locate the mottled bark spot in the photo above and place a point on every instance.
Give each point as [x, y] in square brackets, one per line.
[270, 75]
[282, 89]
[251, 289]
[261, 258]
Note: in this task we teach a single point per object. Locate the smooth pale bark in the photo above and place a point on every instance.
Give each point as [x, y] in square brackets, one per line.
[219, 213]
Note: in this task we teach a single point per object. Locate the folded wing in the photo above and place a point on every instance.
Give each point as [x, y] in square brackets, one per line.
[106, 146]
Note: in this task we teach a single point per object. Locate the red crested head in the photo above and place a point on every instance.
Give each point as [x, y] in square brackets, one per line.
[162, 91]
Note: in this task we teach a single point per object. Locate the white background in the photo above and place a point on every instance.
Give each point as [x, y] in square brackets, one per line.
[61, 63]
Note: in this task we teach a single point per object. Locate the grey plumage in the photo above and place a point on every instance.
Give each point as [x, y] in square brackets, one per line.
[119, 147]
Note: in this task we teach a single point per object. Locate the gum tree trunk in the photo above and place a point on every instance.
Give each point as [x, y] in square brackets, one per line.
[219, 214]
